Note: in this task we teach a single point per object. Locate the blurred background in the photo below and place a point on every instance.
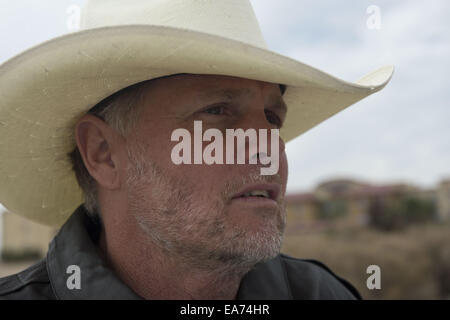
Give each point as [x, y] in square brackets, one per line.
[369, 186]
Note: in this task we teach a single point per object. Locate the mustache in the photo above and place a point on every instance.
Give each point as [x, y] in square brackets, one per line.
[235, 185]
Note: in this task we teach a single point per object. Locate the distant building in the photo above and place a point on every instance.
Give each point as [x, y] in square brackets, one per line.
[20, 236]
[350, 203]
[443, 196]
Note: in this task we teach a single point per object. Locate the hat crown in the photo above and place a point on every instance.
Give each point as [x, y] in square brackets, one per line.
[233, 19]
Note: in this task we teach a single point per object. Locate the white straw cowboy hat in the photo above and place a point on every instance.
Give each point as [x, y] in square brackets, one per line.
[46, 89]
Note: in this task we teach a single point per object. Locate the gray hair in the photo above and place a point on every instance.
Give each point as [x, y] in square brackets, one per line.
[121, 111]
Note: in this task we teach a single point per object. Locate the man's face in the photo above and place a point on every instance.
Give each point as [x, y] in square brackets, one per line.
[194, 210]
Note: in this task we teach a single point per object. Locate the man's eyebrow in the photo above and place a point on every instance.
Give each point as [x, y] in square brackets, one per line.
[276, 101]
[226, 93]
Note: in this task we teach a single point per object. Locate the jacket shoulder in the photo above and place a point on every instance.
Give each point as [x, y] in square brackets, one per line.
[31, 283]
[311, 279]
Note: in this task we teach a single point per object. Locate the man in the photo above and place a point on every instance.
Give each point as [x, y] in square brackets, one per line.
[112, 97]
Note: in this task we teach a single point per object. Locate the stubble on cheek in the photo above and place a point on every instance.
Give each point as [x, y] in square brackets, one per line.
[196, 227]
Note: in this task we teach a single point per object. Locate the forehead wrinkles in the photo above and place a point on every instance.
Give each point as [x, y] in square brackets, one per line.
[227, 93]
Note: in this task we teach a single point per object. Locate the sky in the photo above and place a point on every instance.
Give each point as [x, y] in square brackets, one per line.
[399, 135]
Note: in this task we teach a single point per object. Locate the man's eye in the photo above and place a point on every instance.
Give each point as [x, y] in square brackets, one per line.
[273, 118]
[215, 110]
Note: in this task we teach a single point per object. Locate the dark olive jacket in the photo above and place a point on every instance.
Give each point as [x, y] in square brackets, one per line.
[283, 277]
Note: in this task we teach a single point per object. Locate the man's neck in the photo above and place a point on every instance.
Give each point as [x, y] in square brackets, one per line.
[153, 274]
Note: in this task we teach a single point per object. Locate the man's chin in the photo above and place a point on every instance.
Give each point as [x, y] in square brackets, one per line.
[254, 222]
[246, 248]
[256, 232]
[247, 259]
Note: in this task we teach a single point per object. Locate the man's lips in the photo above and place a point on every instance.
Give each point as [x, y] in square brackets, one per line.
[270, 191]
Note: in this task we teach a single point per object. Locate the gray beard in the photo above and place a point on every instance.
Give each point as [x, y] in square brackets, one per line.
[188, 230]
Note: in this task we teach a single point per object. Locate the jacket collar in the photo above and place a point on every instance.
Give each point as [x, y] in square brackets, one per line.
[267, 281]
[75, 245]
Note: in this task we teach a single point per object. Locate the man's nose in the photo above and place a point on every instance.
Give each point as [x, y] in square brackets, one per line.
[265, 132]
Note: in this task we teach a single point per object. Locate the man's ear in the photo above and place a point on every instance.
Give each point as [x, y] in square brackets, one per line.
[99, 145]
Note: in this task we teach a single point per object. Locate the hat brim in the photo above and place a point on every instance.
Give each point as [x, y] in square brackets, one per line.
[46, 89]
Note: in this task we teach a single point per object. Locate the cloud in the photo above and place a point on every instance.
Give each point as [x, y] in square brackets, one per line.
[26, 23]
[401, 133]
